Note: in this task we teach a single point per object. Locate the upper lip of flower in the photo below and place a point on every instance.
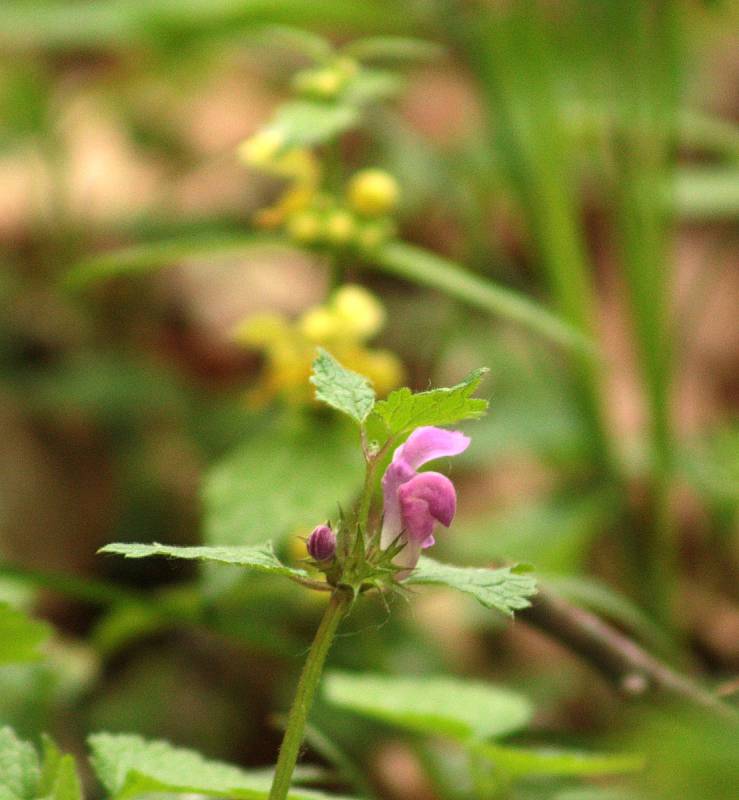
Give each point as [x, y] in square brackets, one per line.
[415, 502]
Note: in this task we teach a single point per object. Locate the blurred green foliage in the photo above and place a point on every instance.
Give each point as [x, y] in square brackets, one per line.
[596, 148]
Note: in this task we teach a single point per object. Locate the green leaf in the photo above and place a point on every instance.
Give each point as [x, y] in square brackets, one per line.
[67, 782]
[371, 86]
[259, 558]
[305, 123]
[597, 793]
[393, 48]
[340, 388]
[701, 193]
[517, 761]
[285, 477]
[504, 589]
[20, 636]
[145, 258]
[460, 709]
[129, 766]
[403, 410]
[20, 771]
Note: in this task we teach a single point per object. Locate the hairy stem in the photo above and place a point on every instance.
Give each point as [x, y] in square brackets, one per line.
[309, 679]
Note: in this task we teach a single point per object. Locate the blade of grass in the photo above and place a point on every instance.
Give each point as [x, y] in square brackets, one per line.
[513, 61]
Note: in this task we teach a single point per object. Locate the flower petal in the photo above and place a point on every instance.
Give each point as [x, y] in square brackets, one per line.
[427, 443]
[397, 473]
[407, 557]
[426, 499]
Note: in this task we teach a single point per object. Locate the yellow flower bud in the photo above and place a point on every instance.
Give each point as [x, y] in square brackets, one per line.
[319, 324]
[373, 192]
[261, 149]
[340, 227]
[304, 227]
[361, 313]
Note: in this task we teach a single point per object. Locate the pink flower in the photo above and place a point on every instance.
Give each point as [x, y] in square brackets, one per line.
[415, 502]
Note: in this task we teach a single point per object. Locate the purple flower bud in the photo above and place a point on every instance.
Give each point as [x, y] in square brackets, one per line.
[322, 543]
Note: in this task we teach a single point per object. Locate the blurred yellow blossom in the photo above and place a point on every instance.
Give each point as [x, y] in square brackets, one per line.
[373, 192]
[298, 166]
[344, 324]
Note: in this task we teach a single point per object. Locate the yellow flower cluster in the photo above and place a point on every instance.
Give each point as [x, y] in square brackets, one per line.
[362, 218]
[343, 325]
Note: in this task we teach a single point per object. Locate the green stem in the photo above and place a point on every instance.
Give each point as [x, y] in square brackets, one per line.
[309, 679]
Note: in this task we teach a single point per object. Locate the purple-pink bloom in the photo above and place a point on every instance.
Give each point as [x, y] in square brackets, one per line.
[415, 502]
[322, 543]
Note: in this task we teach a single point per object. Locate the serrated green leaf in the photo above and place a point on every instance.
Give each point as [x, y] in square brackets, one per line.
[402, 410]
[284, 477]
[259, 558]
[129, 766]
[340, 388]
[304, 123]
[20, 771]
[20, 636]
[460, 709]
[518, 761]
[503, 589]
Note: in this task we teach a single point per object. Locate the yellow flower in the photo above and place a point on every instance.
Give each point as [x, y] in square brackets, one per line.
[350, 317]
[373, 192]
[298, 166]
[360, 312]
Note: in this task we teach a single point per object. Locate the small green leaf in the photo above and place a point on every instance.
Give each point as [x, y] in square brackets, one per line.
[503, 589]
[20, 636]
[20, 771]
[260, 558]
[371, 86]
[340, 388]
[517, 761]
[403, 410]
[304, 123]
[462, 710]
[129, 766]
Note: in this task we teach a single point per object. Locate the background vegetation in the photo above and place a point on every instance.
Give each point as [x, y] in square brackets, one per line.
[569, 190]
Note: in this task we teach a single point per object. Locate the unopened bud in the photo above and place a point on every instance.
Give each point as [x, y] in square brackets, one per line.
[322, 543]
[373, 192]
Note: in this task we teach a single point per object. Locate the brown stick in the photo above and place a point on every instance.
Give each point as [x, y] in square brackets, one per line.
[621, 660]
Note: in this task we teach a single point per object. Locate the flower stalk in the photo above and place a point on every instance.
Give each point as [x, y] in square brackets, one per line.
[305, 694]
